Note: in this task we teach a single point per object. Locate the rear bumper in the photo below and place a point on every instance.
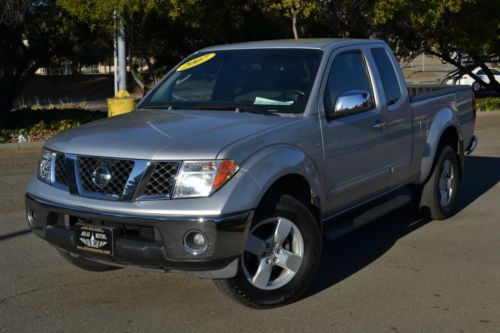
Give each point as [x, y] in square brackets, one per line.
[164, 250]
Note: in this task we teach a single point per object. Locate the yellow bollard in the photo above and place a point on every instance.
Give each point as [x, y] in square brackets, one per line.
[122, 103]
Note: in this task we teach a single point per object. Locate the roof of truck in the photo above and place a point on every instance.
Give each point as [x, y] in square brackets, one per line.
[304, 43]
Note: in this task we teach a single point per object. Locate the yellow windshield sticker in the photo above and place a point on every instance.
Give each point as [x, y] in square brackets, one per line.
[195, 62]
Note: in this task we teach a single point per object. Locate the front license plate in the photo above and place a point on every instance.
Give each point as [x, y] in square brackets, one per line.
[95, 239]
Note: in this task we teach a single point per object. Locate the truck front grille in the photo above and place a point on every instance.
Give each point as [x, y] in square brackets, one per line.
[120, 171]
[61, 170]
[162, 180]
[129, 179]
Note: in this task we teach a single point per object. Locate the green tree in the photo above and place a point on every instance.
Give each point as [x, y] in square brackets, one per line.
[34, 34]
[296, 10]
[14, 11]
[466, 33]
[30, 36]
[340, 19]
[144, 21]
[160, 33]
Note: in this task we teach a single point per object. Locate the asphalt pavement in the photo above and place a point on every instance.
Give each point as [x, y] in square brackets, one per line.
[397, 274]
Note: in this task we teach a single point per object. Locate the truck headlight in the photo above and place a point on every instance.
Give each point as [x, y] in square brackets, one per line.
[202, 178]
[46, 167]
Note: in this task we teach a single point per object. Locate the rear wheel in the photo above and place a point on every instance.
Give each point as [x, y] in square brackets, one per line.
[281, 256]
[438, 195]
[87, 264]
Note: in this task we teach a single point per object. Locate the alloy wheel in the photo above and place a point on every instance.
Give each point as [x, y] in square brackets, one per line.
[273, 253]
[446, 184]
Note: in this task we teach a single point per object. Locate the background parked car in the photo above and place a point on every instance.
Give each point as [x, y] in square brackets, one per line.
[466, 79]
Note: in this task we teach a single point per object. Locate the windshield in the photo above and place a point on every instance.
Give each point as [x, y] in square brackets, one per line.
[260, 80]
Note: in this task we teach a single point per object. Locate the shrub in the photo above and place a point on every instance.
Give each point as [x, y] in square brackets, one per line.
[488, 104]
[35, 125]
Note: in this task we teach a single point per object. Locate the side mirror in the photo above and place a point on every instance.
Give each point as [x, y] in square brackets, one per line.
[351, 101]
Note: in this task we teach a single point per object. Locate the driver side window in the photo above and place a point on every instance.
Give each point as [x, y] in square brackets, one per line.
[348, 88]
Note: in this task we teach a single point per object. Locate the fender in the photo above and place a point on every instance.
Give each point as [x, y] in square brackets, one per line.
[443, 119]
[259, 172]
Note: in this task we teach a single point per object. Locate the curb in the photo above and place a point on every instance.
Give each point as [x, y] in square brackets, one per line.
[488, 113]
[21, 146]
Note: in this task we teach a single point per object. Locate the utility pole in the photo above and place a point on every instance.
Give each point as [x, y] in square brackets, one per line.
[122, 58]
[115, 62]
[119, 55]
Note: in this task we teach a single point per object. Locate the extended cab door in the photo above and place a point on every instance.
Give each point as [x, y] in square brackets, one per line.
[394, 102]
[354, 138]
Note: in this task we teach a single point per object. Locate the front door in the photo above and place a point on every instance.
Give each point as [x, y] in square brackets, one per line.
[354, 140]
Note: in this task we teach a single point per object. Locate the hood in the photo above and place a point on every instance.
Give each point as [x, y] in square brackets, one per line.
[158, 134]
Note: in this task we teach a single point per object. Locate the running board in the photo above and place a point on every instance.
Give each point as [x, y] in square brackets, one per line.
[344, 226]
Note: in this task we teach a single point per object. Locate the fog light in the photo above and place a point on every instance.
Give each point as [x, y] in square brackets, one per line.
[31, 218]
[195, 242]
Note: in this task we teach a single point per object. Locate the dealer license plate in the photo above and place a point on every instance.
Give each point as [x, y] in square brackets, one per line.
[96, 239]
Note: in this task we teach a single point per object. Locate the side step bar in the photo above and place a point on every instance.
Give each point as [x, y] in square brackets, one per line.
[341, 227]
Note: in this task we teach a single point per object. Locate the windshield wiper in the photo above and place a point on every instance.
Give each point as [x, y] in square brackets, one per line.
[218, 107]
[233, 107]
[160, 106]
[258, 111]
[215, 107]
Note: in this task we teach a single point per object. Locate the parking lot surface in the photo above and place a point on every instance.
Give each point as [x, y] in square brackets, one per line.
[397, 274]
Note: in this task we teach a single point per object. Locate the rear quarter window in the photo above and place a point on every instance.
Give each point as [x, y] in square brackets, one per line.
[387, 74]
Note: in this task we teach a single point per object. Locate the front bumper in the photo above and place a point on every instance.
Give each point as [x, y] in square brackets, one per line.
[163, 249]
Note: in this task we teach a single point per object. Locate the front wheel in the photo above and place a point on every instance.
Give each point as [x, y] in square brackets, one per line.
[281, 256]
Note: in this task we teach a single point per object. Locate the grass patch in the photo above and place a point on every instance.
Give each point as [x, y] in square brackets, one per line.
[36, 125]
[488, 104]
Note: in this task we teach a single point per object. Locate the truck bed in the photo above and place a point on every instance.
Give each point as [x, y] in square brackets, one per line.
[432, 107]
[420, 92]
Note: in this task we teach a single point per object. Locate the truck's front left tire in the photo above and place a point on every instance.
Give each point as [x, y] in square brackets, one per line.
[87, 264]
[281, 256]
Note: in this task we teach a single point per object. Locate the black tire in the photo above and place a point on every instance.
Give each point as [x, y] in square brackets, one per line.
[87, 264]
[243, 291]
[429, 198]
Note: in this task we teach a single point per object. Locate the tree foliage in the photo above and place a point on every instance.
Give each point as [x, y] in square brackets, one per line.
[338, 19]
[296, 10]
[13, 11]
[99, 13]
[26, 43]
[465, 33]
[34, 34]
[159, 33]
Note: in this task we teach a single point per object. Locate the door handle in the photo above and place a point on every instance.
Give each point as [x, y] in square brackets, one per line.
[379, 125]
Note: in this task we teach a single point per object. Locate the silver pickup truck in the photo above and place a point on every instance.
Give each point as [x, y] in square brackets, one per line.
[232, 165]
